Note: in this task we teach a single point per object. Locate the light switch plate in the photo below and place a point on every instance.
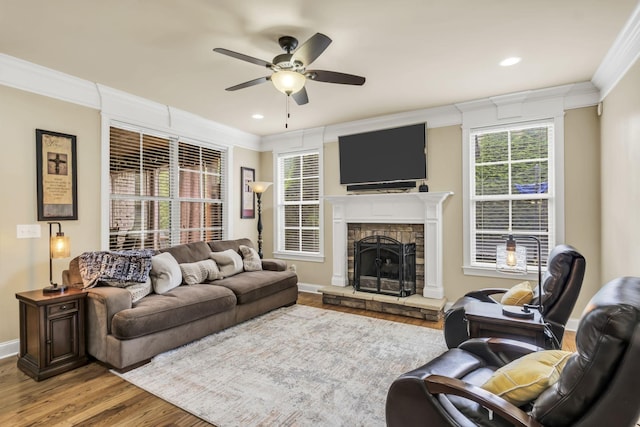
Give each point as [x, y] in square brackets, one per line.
[28, 231]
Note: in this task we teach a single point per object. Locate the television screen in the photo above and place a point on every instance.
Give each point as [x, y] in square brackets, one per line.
[383, 156]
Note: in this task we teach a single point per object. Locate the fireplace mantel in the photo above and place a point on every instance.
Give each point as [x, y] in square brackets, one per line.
[393, 208]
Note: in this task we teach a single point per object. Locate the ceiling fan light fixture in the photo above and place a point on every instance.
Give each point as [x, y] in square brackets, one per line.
[288, 82]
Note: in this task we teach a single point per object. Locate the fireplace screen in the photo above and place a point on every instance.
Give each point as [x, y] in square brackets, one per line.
[385, 266]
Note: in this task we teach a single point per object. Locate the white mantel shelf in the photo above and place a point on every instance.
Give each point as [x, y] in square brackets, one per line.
[393, 208]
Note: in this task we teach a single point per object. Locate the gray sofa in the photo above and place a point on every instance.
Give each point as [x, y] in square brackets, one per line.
[123, 334]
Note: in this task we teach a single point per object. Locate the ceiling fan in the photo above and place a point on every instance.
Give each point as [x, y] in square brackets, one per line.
[290, 69]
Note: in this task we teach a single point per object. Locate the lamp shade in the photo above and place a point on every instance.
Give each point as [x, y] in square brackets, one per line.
[511, 259]
[60, 247]
[259, 186]
[288, 82]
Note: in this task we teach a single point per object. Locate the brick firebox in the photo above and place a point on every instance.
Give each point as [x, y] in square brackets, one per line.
[404, 233]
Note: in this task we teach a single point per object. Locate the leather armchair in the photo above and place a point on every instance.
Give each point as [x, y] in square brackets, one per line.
[597, 387]
[561, 285]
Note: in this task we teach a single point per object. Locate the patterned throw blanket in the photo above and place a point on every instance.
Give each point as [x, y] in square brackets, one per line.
[119, 268]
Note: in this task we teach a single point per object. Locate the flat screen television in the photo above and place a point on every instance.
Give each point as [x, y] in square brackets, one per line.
[388, 155]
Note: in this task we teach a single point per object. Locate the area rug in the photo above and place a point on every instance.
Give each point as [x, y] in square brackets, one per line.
[296, 366]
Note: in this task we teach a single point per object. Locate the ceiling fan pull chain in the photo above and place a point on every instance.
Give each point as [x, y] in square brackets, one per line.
[286, 122]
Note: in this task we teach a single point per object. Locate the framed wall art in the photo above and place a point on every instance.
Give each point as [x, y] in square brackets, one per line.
[247, 199]
[57, 176]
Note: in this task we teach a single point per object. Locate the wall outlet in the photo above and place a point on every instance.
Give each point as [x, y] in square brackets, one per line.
[28, 231]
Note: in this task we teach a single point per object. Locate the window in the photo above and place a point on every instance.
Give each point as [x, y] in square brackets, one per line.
[511, 190]
[299, 209]
[162, 191]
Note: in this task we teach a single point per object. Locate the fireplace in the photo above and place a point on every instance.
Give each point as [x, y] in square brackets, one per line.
[400, 208]
[385, 266]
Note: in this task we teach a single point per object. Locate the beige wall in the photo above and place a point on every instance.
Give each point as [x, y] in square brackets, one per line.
[582, 204]
[24, 263]
[621, 178]
[248, 159]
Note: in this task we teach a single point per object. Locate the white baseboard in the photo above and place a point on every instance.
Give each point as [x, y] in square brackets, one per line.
[309, 287]
[9, 348]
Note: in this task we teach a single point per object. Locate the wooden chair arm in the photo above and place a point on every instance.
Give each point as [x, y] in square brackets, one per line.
[438, 384]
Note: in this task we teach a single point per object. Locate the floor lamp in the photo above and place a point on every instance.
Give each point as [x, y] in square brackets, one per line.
[511, 258]
[259, 187]
[58, 248]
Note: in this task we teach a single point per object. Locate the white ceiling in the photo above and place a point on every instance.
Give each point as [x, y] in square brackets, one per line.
[414, 53]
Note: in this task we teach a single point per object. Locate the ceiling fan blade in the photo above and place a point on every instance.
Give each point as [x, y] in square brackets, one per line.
[249, 83]
[301, 97]
[243, 57]
[311, 49]
[335, 77]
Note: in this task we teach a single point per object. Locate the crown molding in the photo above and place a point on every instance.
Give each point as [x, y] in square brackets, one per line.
[119, 105]
[30, 77]
[621, 56]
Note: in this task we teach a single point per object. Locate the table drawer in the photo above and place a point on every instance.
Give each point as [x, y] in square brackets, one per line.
[62, 308]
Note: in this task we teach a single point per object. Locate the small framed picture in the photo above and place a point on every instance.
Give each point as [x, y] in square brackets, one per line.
[247, 199]
[57, 176]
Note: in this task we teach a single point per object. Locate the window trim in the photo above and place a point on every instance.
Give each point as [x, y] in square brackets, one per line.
[277, 220]
[174, 137]
[556, 201]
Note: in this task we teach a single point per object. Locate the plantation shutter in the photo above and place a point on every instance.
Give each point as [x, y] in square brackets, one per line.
[512, 189]
[299, 204]
[162, 191]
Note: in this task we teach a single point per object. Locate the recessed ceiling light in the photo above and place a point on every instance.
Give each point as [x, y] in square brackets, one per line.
[513, 60]
[257, 116]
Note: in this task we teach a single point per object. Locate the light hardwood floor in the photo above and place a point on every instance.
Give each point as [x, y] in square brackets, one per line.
[92, 396]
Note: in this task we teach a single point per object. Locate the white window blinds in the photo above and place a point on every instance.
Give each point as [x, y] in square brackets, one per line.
[162, 191]
[299, 203]
[512, 189]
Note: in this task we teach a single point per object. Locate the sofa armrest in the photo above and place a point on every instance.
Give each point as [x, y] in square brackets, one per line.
[103, 302]
[274, 265]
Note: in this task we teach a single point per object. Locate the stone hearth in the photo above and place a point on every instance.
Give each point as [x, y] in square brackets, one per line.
[415, 306]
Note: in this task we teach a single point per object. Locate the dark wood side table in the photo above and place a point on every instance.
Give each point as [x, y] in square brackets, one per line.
[52, 337]
[486, 320]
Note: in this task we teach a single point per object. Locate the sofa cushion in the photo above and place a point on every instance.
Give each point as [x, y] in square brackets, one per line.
[165, 273]
[254, 285]
[229, 262]
[200, 271]
[179, 306]
[189, 252]
[223, 245]
[250, 259]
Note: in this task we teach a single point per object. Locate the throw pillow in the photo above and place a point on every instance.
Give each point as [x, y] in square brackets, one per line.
[524, 379]
[139, 290]
[199, 272]
[520, 294]
[165, 273]
[229, 261]
[118, 266]
[250, 259]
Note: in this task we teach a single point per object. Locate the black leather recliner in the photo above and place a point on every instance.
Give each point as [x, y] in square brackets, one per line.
[561, 285]
[597, 387]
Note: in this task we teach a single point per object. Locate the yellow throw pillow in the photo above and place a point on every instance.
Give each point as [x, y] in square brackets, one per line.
[520, 294]
[524, 379]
